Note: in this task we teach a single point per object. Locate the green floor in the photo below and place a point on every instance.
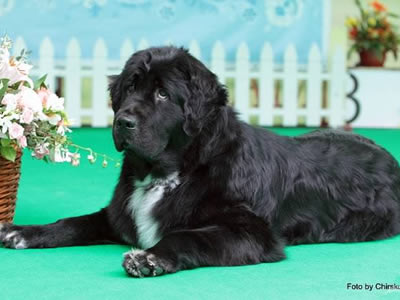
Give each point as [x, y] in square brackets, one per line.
[50, 192]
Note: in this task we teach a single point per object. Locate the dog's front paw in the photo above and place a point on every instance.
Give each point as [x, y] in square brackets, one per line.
[11, 237]
[139, 263]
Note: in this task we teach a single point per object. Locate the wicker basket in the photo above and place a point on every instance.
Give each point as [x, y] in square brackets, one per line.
[9, 179]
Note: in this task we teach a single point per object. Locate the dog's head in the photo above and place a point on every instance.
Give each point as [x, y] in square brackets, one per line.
[163, 97]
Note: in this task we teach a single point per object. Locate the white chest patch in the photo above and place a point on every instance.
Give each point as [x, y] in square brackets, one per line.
[146, 195]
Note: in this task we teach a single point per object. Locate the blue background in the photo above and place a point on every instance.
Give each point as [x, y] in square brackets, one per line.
[232, 21]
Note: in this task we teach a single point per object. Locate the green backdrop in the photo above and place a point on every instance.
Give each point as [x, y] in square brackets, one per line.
[50, 192]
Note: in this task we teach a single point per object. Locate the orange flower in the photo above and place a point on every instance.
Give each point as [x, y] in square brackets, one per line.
[378, 6]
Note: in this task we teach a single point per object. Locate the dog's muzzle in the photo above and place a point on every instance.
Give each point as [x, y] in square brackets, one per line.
[125, 123]
[123, 131]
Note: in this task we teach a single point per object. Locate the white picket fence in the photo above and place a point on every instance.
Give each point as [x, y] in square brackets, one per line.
[318, 102]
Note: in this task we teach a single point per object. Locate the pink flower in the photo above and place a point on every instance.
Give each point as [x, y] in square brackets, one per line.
[22, 142]
[43, 94]
[27, 116]
[75, 162]
[16, 131]
[50, 100]
[76, 159]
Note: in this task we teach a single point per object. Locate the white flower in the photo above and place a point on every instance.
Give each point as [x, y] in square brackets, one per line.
[15, 71]
[27, 98]
[4, 57]
[61, 130]
[41, 151]
[42, 117]
[54, 103]
[24, 68]
[54, 119]
[91, 158]
[5, 123]
[58, 154]
[10, 100]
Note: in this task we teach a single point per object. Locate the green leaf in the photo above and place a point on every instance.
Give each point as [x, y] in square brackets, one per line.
[393, 15]
[21, 55]
[15, 86]
[3, 86]
[5, 142]
[40, 82]
[8, 153]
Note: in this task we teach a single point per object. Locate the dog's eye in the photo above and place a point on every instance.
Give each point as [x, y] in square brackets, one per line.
[131, 89]
[161, 95]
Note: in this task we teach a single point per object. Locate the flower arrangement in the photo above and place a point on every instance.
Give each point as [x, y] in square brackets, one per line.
[373, 31]
[32, 116]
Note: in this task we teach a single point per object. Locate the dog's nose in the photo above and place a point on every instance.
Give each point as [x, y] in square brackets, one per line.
[126, 122]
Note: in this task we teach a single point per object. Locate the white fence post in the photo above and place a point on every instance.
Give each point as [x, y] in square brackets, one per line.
[46, 62]
[73, 85]
[143, 44]
[126, 52]
[314, 88]
[242, 82]
[73, 68]
[100, 95]
[337, 90]
[194, 49]
[19, 44]
[290, 87]
[266, 85]
[218, 61]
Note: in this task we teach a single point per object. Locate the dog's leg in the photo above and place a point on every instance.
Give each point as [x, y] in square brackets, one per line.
[363, 226]
[237, 238]
[83, 230]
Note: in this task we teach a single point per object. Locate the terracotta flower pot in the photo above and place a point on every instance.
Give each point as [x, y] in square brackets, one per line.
[9, 180]
[371, 59]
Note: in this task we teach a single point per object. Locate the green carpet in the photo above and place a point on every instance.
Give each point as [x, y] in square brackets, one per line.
[50, 192]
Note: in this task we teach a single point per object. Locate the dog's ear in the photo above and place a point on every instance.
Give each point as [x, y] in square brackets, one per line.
[111, 79]
[115, 91]
[206, 97]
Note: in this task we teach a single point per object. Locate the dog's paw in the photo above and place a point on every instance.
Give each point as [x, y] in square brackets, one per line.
[11, 237]
[139, 263]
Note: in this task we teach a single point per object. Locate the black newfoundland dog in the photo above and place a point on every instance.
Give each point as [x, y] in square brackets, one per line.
[198, 187]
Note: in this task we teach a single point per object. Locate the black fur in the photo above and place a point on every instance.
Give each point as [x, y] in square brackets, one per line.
[244, 192]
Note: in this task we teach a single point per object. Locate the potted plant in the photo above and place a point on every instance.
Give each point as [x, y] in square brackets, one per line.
[373, 34]
[31, 117]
